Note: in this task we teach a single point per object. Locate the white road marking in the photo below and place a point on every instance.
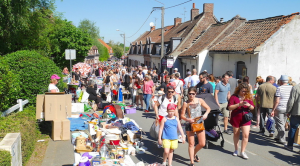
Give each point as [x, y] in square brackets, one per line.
[240, 147]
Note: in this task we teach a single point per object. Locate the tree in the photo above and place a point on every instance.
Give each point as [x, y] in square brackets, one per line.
[90, 27]
[23, 23]
[67, 36]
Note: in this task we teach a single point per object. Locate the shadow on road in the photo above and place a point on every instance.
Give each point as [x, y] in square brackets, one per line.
[291, 160]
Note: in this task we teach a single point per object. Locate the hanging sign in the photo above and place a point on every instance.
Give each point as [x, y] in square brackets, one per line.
[164, 62]
[170, 63]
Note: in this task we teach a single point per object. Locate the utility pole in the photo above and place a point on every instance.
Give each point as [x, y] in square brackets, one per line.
[162, 32]
[184, 14]
[124, 48]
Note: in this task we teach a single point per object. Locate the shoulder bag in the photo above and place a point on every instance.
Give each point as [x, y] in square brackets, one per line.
[197, 126]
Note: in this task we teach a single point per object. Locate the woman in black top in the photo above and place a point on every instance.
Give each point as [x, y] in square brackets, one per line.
[91, 91]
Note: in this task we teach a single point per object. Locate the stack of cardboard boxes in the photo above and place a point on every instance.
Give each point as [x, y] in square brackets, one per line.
[55, 107]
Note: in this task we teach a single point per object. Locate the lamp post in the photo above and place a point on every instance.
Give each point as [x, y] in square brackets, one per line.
[123, 35]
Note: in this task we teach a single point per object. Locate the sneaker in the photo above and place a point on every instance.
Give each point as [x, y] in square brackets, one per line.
[146, 111]
[244, 155]
[164, 164]
[227, 132]
[290, 148]
[235, 153]
[271, 134]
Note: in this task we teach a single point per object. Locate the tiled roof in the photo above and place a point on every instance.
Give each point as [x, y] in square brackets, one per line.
[214, 34]
[176, 31]
[252, 34]
[194, 30]
[106, 45]
[154, 35]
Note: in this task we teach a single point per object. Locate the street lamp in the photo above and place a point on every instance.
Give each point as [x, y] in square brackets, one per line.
[123, 35]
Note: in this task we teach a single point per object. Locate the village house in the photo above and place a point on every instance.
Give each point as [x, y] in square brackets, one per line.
[260, 47]
[254, 48]
[93, 56]
[109, 48]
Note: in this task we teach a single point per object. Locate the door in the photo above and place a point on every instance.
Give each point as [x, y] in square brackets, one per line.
[241, 70]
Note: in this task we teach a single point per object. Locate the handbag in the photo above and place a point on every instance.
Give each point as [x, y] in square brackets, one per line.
[154, 129]
[197, 126]
[248, 117]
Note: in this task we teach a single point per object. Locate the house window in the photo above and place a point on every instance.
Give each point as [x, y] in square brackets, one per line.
[241, 70]
[193, 67]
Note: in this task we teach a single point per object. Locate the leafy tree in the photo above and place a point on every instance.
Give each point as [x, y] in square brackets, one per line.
[90, 27]
[23, 23]
[67, 36]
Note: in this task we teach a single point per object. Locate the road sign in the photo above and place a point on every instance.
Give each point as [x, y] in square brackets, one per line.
[70, 54]
[123, 57]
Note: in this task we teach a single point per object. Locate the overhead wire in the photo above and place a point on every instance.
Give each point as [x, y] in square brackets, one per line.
[178, 4]
[142, 25]
[152, 12]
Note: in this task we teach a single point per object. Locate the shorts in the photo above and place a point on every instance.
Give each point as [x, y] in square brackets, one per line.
[170, 144]
[223, 109]
[188, 127]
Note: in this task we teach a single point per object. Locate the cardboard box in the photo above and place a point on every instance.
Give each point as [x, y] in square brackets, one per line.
[65, 133]
[57, 107]
[40, 106]
[60, 130]
[77, 107]
[56, 130]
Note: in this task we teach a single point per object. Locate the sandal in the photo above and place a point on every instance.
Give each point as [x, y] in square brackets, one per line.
[197, 159]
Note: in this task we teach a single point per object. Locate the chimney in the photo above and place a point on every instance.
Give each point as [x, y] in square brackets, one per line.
[152, 28]
[177, 21]
[208, 8]
[221, 20]
[194, 12]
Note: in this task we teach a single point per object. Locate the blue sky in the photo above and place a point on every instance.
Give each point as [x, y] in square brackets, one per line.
[129, 15]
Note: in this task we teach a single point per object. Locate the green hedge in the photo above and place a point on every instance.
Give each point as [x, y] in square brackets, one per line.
[5, 158]
[25, 123]
[9, 86]
[34, 72]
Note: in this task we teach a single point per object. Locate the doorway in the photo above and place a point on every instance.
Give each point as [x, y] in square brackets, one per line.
[241, 70]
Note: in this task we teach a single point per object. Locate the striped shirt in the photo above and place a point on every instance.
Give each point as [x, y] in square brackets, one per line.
[283, 92]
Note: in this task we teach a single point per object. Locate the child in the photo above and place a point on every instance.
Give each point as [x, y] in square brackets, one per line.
[168, 133]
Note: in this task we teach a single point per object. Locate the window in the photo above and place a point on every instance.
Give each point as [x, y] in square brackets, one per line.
[193, 67]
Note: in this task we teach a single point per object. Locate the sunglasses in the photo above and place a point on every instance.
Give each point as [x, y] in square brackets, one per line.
[192, 94]
[170, 91]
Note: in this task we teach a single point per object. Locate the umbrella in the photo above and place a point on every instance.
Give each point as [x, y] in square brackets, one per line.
[84, 68]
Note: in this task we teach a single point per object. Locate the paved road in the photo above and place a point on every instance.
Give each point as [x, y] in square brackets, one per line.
[261, 150]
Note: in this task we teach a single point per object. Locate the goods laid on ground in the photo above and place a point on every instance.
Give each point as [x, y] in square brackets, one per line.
[106, 138]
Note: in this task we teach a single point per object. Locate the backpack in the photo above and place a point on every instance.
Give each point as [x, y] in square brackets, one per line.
[163, 98]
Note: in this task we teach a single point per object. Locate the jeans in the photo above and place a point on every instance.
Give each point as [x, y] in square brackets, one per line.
[147, 98]
[263, 113]
[132, 96]
[294, 123]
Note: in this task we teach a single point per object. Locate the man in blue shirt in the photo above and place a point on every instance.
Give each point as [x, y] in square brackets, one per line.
[204, 86]
[222, 95]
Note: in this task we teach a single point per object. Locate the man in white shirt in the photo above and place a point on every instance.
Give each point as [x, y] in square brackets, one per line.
[145, 71]
[178, 84]
[194, 79]
[185, 86]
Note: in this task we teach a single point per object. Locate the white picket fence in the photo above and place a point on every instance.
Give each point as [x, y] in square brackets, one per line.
[19, 106]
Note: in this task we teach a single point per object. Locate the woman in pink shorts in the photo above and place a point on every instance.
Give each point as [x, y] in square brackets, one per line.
[240, 103]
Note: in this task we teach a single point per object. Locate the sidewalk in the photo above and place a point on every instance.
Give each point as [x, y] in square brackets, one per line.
[59, 153]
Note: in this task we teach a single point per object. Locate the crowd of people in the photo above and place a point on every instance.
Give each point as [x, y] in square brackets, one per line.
[173, 99]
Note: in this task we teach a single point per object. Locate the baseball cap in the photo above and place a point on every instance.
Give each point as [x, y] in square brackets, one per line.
[189, 73]
[176, 69]
[171, 106]
[54, 76]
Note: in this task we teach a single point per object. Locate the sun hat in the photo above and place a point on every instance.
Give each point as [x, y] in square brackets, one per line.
[284, 78]
[54, 76]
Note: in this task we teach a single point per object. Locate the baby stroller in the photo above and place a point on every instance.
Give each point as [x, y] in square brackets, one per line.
[212, 127]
